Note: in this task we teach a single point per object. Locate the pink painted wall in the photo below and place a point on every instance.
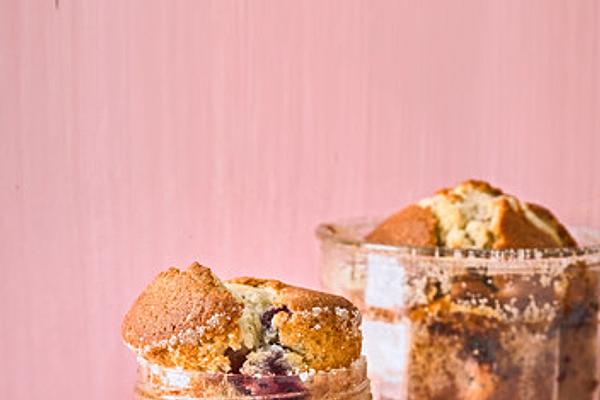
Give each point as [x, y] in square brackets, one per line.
[136, 135]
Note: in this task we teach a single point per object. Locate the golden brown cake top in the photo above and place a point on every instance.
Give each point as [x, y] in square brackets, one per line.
[190, 319]
[179, 302]
[473, 214]
[323, 327]
[297, 298]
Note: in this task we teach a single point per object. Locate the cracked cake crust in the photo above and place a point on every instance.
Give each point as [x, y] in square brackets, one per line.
[323, 328]
[473, 214]
[191, 320]
[184, 318]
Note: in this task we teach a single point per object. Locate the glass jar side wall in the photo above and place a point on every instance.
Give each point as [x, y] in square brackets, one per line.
[488, 327]
[158, 383]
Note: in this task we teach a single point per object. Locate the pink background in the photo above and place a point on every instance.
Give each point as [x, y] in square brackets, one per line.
[136, 135]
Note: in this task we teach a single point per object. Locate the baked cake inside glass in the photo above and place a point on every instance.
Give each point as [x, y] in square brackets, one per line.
[471, 294]
[197, 337]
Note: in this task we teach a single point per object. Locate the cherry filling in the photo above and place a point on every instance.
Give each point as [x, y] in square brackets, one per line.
[269, 386]
[237, 358]
[275, 363]
[266, 375]
[579, 314]
[268, 315]
[272, 380]
[483, 348]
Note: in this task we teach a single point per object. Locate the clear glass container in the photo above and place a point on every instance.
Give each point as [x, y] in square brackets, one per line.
[471, 324]
[158, 383]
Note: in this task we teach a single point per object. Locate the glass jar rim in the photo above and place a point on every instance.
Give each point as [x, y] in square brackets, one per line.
[337, 232]
[166, 380]
[357, 364]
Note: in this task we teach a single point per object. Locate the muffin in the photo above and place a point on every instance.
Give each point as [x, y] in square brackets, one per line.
[243, 328]
[473, 215]
[489, 334]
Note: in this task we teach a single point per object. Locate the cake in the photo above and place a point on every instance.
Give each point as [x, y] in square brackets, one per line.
[484, 333]
[473, 215]
[189, 320]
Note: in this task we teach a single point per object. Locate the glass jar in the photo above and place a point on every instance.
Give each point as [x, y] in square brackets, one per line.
[158, 383]
[471, 324]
